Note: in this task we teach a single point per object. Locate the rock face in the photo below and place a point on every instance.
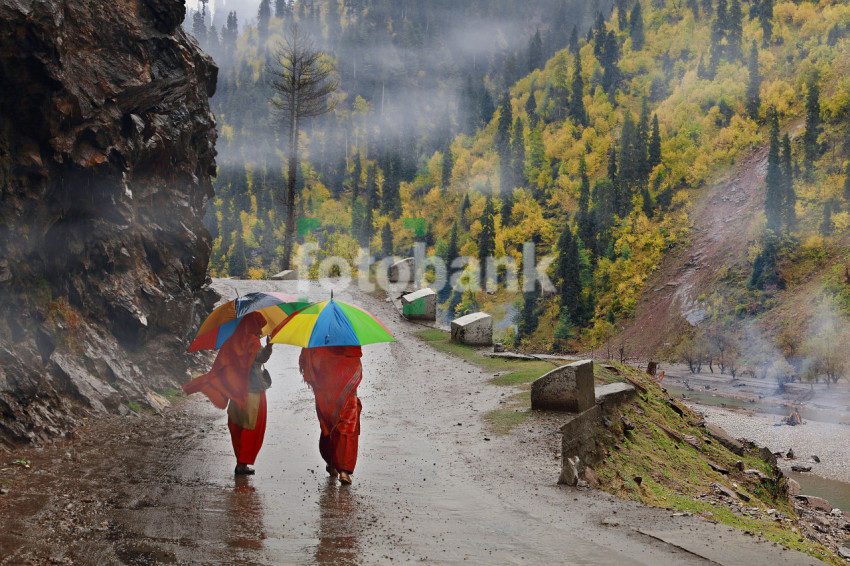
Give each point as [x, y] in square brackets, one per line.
[107, 144]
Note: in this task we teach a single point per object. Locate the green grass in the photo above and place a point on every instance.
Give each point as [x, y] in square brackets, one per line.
[170, 394]
[135, 406]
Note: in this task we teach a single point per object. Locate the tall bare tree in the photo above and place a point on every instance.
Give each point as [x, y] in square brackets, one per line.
[301, 77]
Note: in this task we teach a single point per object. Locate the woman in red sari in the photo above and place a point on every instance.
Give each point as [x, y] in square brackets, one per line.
[333, 373]
[237, 382]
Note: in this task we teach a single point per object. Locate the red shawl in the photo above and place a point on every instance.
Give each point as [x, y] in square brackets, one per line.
[333, 372]
[228, 378]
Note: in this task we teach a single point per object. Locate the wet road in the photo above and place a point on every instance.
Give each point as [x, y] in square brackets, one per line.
[430, 486]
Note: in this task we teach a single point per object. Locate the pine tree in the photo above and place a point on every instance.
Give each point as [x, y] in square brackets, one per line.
[583, 216]
[826, 222]
[368, 227]
[452, 253]
[504, 149]
[622, 15]
[355, 177]
[811, 148]
[282, 9]
[654, 149]
[358, 214]
[754, 85]
[387, 246]
[199, 29]
[446, 171]
[487, 241]
[576, 109]
[718, 34]
[567, 272]
[766, 20]
[734, 32]
[229, 34]
[518, 154]
[264, 14]
[528, 316]
[789, 197]
[390, 196]
[238, 266]
[573, 45]
[641, 145]
[610, 60]
[531, 110]
[636, 31]
[371, 188]
[847, 186]
[773, 180]
[535, 52]
[464, 208]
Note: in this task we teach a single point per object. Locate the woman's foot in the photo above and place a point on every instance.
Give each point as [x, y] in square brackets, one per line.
[331, 471]
[243, 469]
[344, 478]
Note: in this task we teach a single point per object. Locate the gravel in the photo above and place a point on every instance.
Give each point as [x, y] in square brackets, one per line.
[830, 442]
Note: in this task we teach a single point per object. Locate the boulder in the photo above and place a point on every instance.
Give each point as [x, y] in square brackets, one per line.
[814, 502]
[285, 275]
[567, 388]
[723, 438]
[420, 305]
[402, 271]
[475, 329]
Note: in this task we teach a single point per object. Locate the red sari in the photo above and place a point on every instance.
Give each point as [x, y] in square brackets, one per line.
[228, 381]
[334, 372]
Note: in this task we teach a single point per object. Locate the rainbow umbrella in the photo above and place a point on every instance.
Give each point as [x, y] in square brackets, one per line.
[221, 323]
[331, 323]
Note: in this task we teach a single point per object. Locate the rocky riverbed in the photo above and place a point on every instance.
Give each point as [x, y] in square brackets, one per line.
[829, 442]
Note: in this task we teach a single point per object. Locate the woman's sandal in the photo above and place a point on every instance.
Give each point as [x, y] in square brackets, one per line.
[344, 478]
[331, 471]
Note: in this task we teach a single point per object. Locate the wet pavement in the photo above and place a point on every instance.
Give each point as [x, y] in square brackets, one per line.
[431, 484]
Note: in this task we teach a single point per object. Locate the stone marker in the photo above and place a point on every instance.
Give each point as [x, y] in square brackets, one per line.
[420, 305]
[402, 271]
[475, 329]
[614, 394]
[285, 275]
[567, 388]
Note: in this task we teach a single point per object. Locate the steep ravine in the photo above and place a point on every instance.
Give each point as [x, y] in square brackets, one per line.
[107, 144]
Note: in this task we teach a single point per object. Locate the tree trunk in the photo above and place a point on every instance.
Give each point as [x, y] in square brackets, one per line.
[289, 233]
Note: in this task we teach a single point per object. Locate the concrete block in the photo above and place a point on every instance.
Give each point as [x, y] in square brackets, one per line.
[567, 388]
[578, 442]
[402, 271]
[285, 275]
[613, 394]
[475, 329]
[420, 305]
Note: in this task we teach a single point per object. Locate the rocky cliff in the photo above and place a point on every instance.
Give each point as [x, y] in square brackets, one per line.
[107, 144]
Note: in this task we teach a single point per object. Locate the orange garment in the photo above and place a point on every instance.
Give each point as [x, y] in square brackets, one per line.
[228, 378]
[334, 372]
[247, 442]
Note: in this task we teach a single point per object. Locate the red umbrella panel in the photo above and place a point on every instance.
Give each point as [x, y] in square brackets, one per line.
[221, 323]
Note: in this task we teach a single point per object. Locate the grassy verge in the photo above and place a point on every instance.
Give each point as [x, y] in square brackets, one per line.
[647, 465]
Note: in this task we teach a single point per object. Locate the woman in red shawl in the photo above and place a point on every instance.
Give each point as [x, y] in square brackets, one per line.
[333, 373]
[237, 382]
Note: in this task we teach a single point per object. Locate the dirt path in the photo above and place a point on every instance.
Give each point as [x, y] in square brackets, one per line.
[431, 486]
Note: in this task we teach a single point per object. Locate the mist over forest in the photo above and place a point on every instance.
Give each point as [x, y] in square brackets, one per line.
[591, 129]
